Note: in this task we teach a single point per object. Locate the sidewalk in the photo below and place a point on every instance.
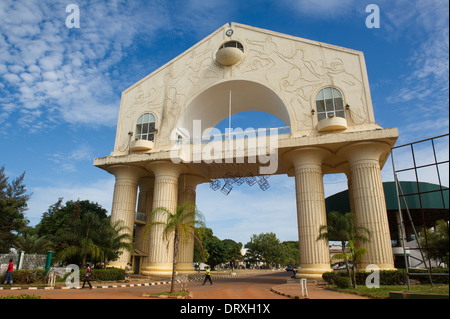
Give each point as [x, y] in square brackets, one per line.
[315, 291]
[292, 290]
[136, 281]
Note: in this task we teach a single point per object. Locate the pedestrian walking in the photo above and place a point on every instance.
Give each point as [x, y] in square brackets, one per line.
[87, 276]
[127, 272]
[207, 276]
[9, 273]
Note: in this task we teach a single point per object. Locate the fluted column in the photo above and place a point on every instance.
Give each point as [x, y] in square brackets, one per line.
[350, 192]
[311, 212]
[165, 194]
[124, 203]
[145, 202]
[369, 200]
[187, 185]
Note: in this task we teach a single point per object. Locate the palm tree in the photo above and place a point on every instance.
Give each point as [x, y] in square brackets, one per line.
[82, 238]
[355, 254]
[113, 238]
[32, 244]
[343, 228]
[179, 226]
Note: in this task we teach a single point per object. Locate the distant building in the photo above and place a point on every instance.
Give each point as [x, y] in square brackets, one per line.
[431, 206]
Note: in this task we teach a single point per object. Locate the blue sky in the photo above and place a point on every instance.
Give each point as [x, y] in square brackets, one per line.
[60, 88]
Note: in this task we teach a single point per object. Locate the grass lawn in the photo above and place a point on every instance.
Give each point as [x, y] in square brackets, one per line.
[23, 296]
[383, 291]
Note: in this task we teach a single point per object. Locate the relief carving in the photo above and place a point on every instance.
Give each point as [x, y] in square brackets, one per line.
[173, 105]
[293, 69]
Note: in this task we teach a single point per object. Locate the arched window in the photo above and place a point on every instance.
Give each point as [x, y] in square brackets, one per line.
[232, 44]
[145, 127]
[329, 104]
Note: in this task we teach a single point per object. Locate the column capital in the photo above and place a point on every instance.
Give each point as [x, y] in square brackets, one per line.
[364, 151]
[127, 172]
[308, 155]
[164, 168]
[146, 183]
[191, 180]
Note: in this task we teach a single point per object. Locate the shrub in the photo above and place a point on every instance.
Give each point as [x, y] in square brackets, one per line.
[342, 282]
[329, 277]
[393, 277]
[27, 276]
[387, 277]
[108, 274]
[425, 279]
[32, 276]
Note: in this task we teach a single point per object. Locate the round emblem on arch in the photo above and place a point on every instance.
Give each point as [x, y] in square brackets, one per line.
[229, 32]
[230, 53]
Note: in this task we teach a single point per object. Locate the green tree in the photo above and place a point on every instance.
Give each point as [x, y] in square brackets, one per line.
[59, 216]
[178, 226]
[61, 224]
[202, 233]
[438, 242]
[355, 254]
[343, 228]
[213, 248]
[13, 204]
[290, 253]
[265, 247]
[32, 244]
[113, 239]
[232, 252]
[82, 239]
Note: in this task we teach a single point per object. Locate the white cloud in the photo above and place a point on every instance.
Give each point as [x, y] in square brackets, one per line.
[421, 93]
[66, 71]
[67, 161]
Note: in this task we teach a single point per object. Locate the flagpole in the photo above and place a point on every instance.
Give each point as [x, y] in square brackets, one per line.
[229, 114]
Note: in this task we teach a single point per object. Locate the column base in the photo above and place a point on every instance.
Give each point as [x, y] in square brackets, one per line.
[160, 269]
[117, 264]
[313, 271]
[185, 268]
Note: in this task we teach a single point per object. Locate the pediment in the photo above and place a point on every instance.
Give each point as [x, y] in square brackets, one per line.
[295, 69]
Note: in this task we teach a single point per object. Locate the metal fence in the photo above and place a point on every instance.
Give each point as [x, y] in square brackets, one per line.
[25, 261]
[419, 159]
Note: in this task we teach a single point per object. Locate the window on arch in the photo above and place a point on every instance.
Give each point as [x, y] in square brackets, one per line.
[145, 127]
[329, 103]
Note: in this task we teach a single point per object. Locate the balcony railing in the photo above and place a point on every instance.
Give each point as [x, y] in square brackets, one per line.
[236, 135]
[140, 216]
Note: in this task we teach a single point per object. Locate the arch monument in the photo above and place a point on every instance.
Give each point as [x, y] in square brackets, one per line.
[164, 149]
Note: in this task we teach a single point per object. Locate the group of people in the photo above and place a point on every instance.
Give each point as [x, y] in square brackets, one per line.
[9, 271]
[88, 274]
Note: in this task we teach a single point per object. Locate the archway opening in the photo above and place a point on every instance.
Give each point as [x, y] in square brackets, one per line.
[250, 119]
[213, 106]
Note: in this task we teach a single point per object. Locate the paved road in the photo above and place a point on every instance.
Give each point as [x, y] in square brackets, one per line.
[248, 287]
[240, 287]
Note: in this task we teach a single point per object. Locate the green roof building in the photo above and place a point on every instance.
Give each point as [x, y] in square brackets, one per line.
[425, 209]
